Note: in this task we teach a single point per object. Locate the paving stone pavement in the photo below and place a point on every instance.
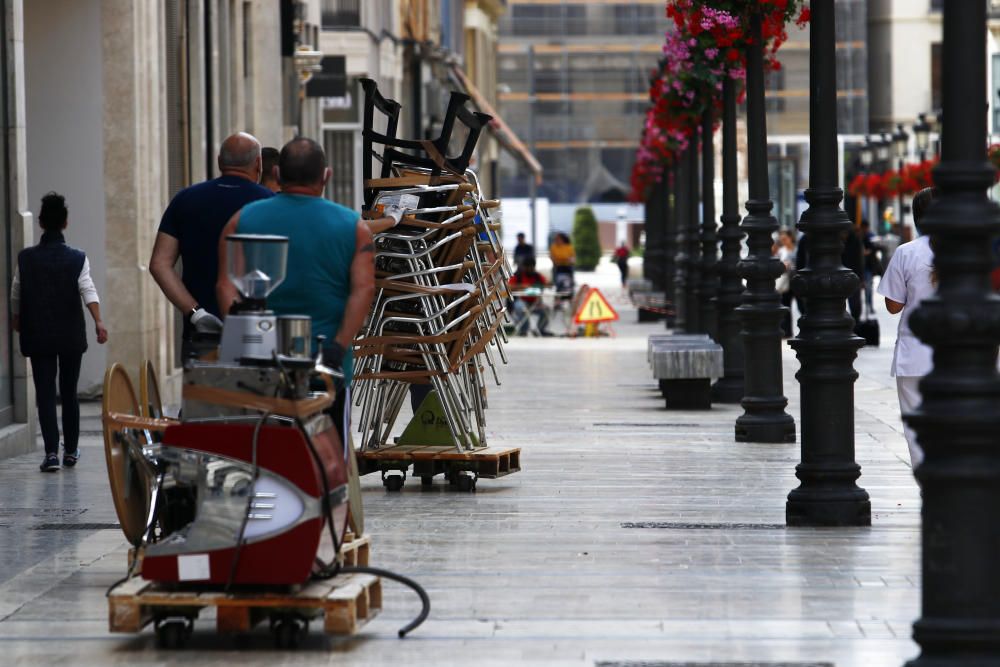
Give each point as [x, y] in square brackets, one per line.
[632, 535]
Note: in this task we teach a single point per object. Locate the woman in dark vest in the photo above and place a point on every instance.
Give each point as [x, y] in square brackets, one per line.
[50, 280]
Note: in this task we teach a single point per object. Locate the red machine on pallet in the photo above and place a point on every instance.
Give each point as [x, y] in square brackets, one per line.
[250, 487]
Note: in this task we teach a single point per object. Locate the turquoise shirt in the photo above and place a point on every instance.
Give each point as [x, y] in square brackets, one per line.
[321, 240]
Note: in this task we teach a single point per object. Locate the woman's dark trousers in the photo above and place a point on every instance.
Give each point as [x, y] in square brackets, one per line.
[44, 370]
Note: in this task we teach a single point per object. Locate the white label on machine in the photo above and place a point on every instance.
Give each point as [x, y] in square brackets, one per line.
[193, 568]
[402, 201]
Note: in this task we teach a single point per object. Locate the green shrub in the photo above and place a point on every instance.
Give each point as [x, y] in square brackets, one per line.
[586, 242]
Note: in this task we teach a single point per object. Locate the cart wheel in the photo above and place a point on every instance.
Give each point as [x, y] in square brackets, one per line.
[172, 634]
[465, 482]
[427, 480]
[289, 632]
[393, 482]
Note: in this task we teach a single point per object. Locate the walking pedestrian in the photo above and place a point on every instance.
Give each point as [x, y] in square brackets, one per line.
[853, 258]
[785, 252]
[49, 282]
[563, 258]
[523, 251]
[527, 285]
[268, 161]
[331, 259]
[908, 280]
[190, 230]
[872, 263]
[621, 256]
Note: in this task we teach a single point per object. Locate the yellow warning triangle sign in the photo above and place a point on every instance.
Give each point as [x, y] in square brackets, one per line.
[595, 308]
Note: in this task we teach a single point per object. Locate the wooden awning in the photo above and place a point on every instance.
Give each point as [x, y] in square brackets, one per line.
[498, 127]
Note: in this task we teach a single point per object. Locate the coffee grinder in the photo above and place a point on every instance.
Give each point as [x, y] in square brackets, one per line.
[256, 266]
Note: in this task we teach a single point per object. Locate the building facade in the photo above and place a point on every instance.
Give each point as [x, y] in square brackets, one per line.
[419, 52]
[118, 104]
[905, 69]
[574, 81]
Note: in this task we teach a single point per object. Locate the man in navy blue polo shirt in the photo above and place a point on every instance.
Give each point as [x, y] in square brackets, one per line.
[190, 230]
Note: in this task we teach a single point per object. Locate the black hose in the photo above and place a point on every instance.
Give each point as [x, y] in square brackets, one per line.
[240, 540]
[325, 503]
[425, 600]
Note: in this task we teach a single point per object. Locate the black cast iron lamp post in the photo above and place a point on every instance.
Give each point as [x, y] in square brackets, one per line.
[900, 144]
[885, 149]
[866, 154]
[922, 133]
[729, 388]
[694, 323]
[682, 192]
[669, 237]
[764, 418]
[826, 345]
[881, 145]
[958, 421]
[709, 240]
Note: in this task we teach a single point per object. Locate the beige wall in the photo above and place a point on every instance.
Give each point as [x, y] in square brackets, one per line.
[19, 436]
[135, 188]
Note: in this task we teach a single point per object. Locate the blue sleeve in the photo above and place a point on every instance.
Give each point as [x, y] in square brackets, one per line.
[170, 223]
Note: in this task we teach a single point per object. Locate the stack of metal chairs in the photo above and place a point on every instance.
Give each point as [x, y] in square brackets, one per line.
[441, 276]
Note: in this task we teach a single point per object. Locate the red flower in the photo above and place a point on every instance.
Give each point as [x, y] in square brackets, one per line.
[732, 55]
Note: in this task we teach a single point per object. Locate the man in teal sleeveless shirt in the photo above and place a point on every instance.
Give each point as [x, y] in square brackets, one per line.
[331, 257]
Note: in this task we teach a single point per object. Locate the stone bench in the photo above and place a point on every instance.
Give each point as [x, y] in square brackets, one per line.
[685, 370]
[674, 338]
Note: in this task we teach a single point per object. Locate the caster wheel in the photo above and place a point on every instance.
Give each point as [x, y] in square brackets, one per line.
[393, 483]
[172, 634]
[427, 480]
[466, 483]
[289, 633]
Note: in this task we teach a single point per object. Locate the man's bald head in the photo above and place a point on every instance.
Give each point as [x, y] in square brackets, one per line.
[302, 162]
[239, 151]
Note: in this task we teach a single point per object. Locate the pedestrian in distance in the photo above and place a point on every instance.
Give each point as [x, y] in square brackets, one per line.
[527, 285]
[621, 256]
[872, 263]
[523, 251]
[190, 229]
[268, 162]
[331, 259]
[784, 250]
[909, 279]
[563, 257]
[50, 280]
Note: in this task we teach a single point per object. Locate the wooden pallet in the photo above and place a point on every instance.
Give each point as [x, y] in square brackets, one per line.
[488, 462]
[346, 602]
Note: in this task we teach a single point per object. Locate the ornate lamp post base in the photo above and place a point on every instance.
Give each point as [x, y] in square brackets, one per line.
[766, 427]
[828, 500]
[727, 390]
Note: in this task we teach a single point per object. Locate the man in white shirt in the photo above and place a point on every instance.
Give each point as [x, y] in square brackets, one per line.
[908, 280]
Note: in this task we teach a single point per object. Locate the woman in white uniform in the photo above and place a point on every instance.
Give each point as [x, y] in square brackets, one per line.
[908, 280]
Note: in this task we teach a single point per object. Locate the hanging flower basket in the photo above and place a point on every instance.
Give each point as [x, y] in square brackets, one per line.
[707, 45]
